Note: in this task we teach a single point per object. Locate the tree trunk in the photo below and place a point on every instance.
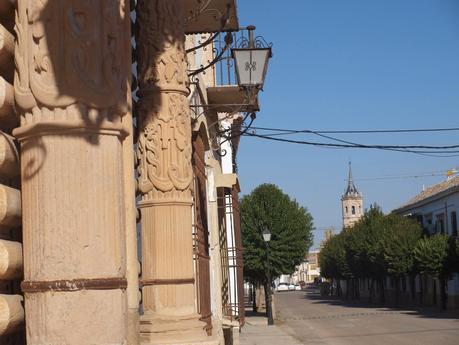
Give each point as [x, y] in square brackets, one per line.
[260, 298]
[372, 290]
[357, 288]
[382, 296]
[339, 291]
[397, 291]
[421, 289]
[444, 296]
[412, 287]
[254, 298]
[434, 292]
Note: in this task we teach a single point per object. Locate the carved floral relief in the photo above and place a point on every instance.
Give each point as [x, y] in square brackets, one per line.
[164, 146]
[71, 51]
[164, 149]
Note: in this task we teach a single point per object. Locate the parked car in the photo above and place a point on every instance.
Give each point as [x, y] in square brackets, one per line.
[291, 287]
[298, 287]
[282, 287]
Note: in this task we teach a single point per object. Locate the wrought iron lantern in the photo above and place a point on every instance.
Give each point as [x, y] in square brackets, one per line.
[251, 61]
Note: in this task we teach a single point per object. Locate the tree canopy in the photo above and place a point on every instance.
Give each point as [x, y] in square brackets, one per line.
[290, 224]
[431, 254]
[399, 243]
[376, 246]
[389, 245]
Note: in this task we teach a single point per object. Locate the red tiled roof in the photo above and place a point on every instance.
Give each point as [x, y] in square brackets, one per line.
[432, 191]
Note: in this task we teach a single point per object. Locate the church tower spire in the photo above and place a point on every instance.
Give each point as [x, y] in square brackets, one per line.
[351, 189]
[351, 202]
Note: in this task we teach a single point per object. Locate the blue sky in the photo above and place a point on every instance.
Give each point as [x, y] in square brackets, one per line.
[354, 64]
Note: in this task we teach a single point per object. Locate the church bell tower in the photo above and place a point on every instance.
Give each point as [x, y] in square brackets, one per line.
[351, 203]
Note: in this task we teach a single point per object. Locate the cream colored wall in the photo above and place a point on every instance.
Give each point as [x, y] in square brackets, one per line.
[213, 169]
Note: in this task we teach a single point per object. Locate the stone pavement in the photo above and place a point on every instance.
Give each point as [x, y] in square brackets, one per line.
[315, 320]
[257, 332]
[305, 317]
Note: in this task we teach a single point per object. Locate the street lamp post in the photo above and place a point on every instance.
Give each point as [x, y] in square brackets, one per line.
[269, 310]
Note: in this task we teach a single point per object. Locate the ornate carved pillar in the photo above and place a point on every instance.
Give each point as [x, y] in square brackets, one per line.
[71, 92]
[165, 177]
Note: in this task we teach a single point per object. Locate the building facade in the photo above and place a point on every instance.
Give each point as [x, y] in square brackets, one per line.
[97, 165]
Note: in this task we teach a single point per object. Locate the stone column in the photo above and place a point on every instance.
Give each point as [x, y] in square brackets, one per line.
[165, 178]
[70, 89]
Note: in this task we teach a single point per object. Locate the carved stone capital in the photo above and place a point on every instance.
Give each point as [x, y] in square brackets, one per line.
[161, 46]
[164, 145]
[71, 52]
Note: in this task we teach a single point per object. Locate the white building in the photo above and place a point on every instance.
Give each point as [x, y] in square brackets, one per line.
[436, 209]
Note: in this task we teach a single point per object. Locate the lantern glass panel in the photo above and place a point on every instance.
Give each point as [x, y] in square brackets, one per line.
[251, 65]
[266, 235]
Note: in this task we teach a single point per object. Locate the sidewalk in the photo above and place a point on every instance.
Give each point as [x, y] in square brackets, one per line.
[257, 332]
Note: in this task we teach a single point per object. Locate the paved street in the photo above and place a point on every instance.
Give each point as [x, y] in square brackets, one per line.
[310, 319]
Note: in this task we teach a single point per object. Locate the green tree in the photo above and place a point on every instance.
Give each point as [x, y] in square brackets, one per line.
[401, 237]
[333, 263]
[267, 207]
[431, 257]
[364, 252]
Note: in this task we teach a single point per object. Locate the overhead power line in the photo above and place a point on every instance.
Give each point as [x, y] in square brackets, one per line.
[400, 177]
[363, 146]
[448, 173]
[369, 131]
[426, 150]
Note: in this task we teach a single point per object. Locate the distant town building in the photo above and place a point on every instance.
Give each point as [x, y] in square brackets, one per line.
[351, 203]
[307, 271]
[313, 266]
[329, 233]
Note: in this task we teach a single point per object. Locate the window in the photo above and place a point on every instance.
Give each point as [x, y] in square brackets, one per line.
[347, 210]
[453, 224]
[419, 219]
[429, 219]
[353, 209]
[429, 228]
[440, 224]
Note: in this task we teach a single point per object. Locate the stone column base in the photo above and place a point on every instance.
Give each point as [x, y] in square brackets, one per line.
[170, 331]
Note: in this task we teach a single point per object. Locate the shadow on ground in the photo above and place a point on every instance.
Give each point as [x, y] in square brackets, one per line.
[312, 293]
[251, 313]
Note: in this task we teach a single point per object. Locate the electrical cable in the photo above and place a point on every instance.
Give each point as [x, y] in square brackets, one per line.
[400, 148]
[424, 153]
[296, 131]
